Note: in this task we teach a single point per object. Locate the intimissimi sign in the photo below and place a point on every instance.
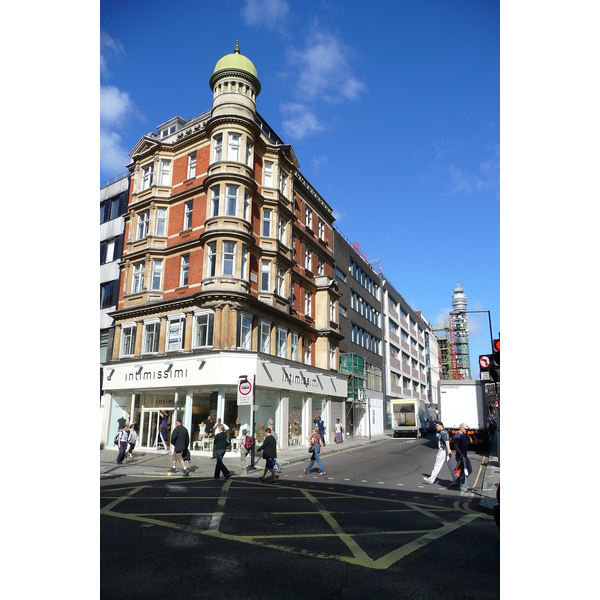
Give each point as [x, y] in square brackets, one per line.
[152, 375]
[299, 380]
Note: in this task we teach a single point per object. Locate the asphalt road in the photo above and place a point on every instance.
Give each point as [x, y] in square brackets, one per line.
[368, 528]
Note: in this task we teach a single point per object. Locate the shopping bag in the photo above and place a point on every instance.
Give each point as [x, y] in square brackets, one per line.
[459, 468]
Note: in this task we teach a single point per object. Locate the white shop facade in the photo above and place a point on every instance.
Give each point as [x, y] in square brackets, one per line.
[286, 394]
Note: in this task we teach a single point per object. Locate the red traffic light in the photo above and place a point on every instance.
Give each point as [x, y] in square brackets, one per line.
[497, 345]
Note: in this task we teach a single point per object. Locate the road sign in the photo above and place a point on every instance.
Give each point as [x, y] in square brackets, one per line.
[484, 361]
[245, 396]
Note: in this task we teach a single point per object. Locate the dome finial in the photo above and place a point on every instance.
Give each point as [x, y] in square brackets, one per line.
[237, 47]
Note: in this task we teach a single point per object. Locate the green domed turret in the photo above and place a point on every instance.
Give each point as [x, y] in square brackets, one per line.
[235, 62]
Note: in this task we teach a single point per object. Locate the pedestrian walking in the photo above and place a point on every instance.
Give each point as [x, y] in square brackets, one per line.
[244, 451]
[164, 425]
[269, 450]
[221, 444]
[132, 440]
[180, 438]
[321, 426]
[316, 443]
[122, 443]
[277, 465]
[444, 455]
[216, 430]
[460, 440]
[339, 430]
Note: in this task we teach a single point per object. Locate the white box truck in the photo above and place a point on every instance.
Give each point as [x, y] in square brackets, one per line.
[464, 401]
[408, 417]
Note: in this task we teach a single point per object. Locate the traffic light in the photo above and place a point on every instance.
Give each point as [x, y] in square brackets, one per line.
[495, 362]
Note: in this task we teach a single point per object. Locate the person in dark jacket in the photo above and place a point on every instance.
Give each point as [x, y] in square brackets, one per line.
[269, 450]
[220, 444]
[180, 438]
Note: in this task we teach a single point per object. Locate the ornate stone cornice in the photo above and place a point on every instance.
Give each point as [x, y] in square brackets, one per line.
[311, 190]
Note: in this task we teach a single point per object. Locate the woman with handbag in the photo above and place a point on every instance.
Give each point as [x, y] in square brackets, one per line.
[316, 448]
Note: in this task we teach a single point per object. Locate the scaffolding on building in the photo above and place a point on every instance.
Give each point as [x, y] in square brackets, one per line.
[353, 366]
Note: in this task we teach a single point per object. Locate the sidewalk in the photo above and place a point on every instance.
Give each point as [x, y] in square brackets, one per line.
[491, 479]
[158, 463]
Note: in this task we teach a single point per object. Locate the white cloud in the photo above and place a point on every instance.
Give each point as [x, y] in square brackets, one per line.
[268, 13]
[114, 157]
[324, 70]
[107, 44]
[115, 105]
[300, 121]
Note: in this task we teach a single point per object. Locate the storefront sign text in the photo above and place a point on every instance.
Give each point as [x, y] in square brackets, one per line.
[299, 379]
[166, 374]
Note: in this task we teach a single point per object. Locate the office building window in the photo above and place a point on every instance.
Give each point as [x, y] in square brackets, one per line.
[161, 222]
[143, 220]
[246, 205]
[267, 215]
[281, 342]
[321, 230]
[265, 337]
[108, 251]
[231, 200]
[127, 339]
[233, 151]
[307, 303]
[214, 202]
[265, 276]
[268, 174]
[218, 147]
[307, 352]
[212, 259]
[308, 259]
[151, 336]
[308, 217]
[244, 266]
[176, 332]
[244, 331]
[187, 215]
[248, 153]
[147, 177]
[228, 259]
[185, 268]
[191, 165]
[165, 172]
[137, 281]
[204, 325]
[108, 294]
[280, 281]
[157, 269]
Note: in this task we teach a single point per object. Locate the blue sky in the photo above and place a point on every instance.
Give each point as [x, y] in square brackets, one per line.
[393, 110]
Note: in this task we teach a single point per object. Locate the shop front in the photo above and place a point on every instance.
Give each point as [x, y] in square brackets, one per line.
[201, 391]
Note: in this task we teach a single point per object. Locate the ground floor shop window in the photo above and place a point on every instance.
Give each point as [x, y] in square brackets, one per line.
[203, 404]
[296, 406]
[267, 402]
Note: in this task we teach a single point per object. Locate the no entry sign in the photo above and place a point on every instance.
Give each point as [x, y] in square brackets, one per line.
[245, 395]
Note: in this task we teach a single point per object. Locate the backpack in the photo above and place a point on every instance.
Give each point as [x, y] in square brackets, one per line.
[249, 443]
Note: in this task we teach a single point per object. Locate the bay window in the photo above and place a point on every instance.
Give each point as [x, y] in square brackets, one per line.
[137, 281]
[294, 349]
[143, 220]
[265, 276]
[160, 226]
[231, 200]
[218, 148]
[165, 172]
[211, 265]
[267, 214]
[147, 177]
[215, 201]
[157, 269]
[233, 150]
[228, 259]
[281, 342]
[268, 174]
